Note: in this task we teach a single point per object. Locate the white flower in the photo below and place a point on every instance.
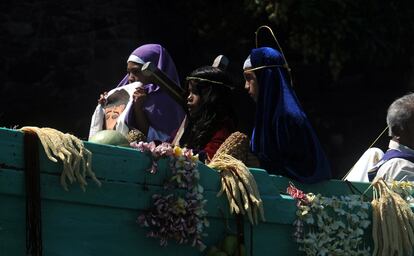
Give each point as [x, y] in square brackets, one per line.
[327, 233]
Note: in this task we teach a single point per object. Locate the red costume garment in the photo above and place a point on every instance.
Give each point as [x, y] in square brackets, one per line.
[226, 129]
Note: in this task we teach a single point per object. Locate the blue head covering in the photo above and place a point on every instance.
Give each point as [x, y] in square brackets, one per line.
[283, 138]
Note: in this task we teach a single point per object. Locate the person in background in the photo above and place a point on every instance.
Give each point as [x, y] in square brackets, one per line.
[283, 139]
[210, 120]
[148, 109]
[398, 161]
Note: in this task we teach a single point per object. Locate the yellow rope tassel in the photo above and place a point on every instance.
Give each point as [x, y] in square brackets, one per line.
[71, 151]
[240, 187]
[392, 231]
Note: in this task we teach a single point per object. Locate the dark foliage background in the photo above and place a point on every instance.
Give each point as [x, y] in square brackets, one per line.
[350, 59]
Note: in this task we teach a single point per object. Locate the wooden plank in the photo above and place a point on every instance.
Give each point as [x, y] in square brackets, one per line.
[111, 194]
[110, 163]
[265, 184]
[326, 188]
[11, 148]
[79, 229]
[133, 196]
[71, 229]
[12, 225]
[274, 239]
[102, 221]
[78, 226]
[114, 163]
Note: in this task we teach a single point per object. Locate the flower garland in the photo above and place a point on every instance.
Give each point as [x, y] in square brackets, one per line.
[334, 225]
[172, 216]
[404, 188]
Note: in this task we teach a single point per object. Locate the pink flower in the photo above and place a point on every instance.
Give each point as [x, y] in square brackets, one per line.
[295, 192]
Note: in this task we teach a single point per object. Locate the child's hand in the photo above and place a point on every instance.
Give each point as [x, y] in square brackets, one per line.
[102, 98]
[139, 96]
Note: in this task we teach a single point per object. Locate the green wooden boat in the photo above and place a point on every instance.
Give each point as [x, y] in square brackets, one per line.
[102, 220]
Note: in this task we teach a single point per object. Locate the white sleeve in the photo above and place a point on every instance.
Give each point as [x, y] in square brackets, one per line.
[406, 172]
[97, 121]
[359, 171]
[397, 169]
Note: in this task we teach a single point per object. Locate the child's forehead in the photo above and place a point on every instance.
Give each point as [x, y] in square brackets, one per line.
[192, 86]
[198, 87]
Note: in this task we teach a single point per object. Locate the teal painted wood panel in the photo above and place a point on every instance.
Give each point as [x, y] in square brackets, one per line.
[132, 196]
[73, 229]
[274, 239]
[110, 163]
[11, 148]
[101, 221]
[326, 188]
[80, 229]
[12, 225]
[113, 163]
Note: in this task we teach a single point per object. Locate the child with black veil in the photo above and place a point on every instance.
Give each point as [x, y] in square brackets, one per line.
[211, 117]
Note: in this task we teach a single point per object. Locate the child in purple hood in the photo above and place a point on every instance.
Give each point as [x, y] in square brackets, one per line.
[148, 108]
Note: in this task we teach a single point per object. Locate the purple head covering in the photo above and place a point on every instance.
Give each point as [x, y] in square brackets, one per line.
[164, 114]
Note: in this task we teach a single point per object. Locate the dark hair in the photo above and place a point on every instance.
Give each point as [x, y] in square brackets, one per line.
[214, 88]
[399, 115]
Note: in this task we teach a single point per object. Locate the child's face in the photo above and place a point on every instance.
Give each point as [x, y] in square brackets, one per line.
[193, 99]
[135, 73]
[251, 84]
